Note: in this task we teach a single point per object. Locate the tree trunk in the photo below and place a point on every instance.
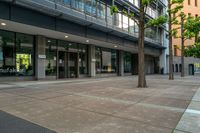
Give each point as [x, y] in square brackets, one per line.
[171, 74]
[141, 62]
[182, 48]
[196, 37]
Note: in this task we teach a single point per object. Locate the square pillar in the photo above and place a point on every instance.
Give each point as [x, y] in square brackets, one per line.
[77, 68]
[91, 61]
[40, 57]
[163, 63]
[121, 63]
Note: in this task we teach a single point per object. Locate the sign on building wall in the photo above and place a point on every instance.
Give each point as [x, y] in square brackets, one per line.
[197, 67]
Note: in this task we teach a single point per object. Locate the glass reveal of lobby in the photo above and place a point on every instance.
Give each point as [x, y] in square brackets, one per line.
[25, 56]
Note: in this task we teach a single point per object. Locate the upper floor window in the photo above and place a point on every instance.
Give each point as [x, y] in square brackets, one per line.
[135, 2]
[66, 2]
[175, 50]
[90, 7]
[189, 2]
[196, 3]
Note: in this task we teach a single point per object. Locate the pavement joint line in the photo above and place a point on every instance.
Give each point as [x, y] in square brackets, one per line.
[181, 131]
[191, 111]
[123, 118]
[135, 103]
[75, 81]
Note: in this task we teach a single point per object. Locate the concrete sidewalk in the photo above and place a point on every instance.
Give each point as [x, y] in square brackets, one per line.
[190, 121]
[106, 105]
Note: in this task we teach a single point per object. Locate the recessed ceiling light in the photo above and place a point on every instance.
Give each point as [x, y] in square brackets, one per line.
[66, 36]
[3, 24]
[115, 46]
[87, 41]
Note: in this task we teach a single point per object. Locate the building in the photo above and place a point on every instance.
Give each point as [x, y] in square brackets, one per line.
[53, 39]
[191, 8]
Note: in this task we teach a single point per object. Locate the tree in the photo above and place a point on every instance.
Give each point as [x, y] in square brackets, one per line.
[192, 26]
[193, 51]
[142, 23]
[174, 6]
[184, 24]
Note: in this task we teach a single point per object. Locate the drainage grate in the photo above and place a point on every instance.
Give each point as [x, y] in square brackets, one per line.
[13, 124]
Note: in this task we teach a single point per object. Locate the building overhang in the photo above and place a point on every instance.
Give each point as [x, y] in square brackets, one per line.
[34, 30]
[62, 12]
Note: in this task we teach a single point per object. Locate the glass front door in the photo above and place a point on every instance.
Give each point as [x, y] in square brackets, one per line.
[72, 65]
[68, 64]
[62, 64]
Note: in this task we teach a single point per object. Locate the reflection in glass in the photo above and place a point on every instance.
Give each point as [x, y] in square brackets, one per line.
[98, 60]
[90, 7]
[127, 62]
[7, 53]
[131, 26]
[78, 4]
[51, 57]
[101, 10]
[125, 23]
[150, 33]
[109, 16]
[82, 59]
[118, 20]
[24, 54]
[67, 2]
[106, 60]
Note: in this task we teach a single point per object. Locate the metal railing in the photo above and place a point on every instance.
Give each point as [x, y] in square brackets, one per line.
[98, 10]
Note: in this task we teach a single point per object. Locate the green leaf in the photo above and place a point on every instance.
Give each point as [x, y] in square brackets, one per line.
[158, 21]
[114, 9]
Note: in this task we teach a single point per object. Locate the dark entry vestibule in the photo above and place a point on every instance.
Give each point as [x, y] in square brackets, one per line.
[68, 64]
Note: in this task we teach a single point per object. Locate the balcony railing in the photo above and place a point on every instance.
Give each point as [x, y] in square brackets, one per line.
[99, 11]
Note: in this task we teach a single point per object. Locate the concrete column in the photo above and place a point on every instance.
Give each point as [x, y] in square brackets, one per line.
[91, 61]
[121, 63]
[40, 57]
[163, 62]
[77, 68]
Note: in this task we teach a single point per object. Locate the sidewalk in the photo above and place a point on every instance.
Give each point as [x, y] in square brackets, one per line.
[190, 121]
[104, 105]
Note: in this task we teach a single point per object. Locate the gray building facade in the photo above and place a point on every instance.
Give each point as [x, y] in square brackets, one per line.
[55, 39]
[191, 65]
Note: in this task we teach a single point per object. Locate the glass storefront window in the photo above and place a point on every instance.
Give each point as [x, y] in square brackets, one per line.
[51, 57]
[98, 60]
[24, 54]
[62, 45]
[83, 59]
[106, 60]
[127, 62]
[7, 53]
[72, 47]
[113, 61]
